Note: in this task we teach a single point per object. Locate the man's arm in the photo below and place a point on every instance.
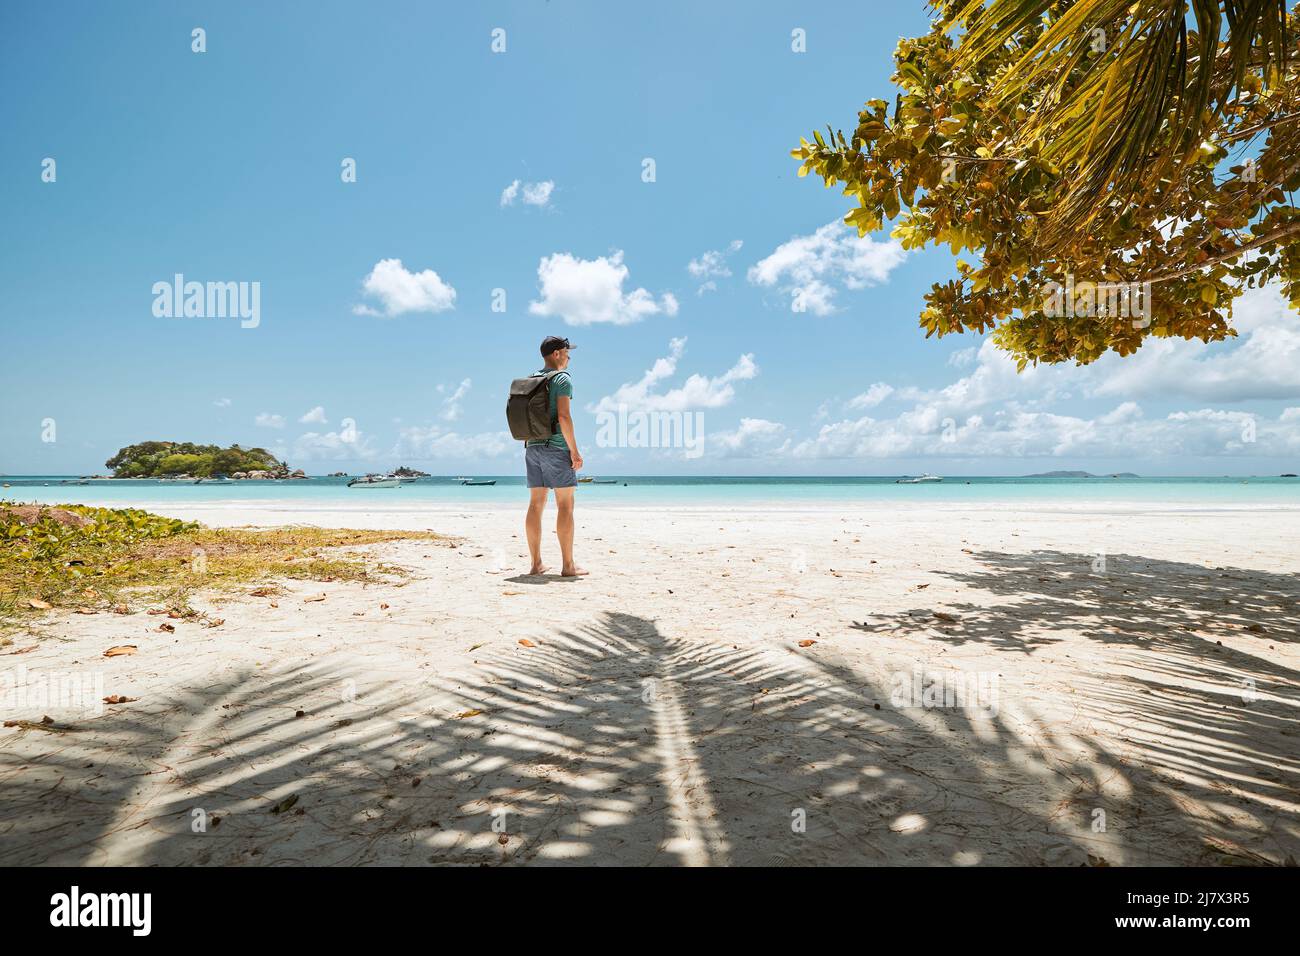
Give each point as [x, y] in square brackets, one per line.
[566, 429]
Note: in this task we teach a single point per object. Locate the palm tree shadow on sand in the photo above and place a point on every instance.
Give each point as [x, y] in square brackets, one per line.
[613, 743]
[1204, 724]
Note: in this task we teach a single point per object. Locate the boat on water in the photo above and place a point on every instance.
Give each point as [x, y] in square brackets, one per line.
[469, 481]
[376, 481]
[919, 480]
[405, 480]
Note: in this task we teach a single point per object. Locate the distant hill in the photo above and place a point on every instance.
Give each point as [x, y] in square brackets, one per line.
[1082, 474]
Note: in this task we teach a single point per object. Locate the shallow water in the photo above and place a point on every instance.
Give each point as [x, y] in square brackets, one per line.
[1054, 493]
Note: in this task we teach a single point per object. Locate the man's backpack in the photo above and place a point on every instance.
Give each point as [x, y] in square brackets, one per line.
[528, 410]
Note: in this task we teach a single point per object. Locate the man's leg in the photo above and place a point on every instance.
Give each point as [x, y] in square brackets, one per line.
[533, 526]
[564, 530]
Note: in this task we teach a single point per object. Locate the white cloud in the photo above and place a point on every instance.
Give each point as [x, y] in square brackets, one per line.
[433, 442]
[995, 412]
[811, 268]
[872, 397]
[697, 392]
[315, 416]
[267, 420]
[222, 403]
[964, 358]
[1263, 363]
[1013, 432]
[347, 443]
[587, 291]
[400, 291]
[754, 436]
[994, 381]
[712, 265]
[532, 194]
[992, 411]
[451, 404]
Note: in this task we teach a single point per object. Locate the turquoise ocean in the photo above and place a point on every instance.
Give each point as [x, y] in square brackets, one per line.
[1178, 493]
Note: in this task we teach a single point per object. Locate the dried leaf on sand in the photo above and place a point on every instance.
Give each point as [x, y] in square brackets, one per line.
[285, 804]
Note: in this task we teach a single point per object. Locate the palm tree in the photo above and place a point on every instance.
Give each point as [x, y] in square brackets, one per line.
[1127, 87]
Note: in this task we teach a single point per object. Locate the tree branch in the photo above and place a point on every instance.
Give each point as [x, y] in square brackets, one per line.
[1290, 229]
[1252, 130]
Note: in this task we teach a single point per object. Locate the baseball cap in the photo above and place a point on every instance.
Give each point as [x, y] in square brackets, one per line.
[553, 342]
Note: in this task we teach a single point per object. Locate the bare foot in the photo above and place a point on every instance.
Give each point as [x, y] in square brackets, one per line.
[572, 572]
[538, 569]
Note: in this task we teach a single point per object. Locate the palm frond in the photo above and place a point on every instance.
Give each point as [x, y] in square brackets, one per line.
[1124, 88]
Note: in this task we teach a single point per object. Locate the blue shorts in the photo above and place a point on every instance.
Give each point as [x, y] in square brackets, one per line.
[549, 467]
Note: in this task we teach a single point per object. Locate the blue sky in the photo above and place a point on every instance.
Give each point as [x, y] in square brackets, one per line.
[225, 166]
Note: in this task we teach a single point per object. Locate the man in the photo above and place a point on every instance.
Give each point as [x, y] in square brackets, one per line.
[553, 463]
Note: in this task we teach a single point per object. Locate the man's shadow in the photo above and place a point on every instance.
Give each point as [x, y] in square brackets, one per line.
[547, 578]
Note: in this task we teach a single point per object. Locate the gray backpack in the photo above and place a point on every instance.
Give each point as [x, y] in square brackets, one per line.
[528, 409]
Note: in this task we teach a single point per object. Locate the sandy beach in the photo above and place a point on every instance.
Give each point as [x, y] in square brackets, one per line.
[1115, 687]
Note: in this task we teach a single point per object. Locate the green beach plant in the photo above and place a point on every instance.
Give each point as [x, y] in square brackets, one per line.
[87, 558]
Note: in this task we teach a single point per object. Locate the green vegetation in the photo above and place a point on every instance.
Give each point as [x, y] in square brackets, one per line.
[79, 557]
[1098, 142]
[1133, 88]
[164, 459]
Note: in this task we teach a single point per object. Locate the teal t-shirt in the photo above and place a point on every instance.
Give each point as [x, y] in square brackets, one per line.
[560, 385]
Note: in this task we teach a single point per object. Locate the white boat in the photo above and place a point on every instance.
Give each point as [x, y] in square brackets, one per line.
[376, 481]
[923, 479]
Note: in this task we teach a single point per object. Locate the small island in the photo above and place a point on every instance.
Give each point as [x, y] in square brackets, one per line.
[405, 472]
[181, 460]
[1082, 474]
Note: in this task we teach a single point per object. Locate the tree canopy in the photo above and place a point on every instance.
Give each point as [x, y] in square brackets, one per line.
[159, 459]
[1081, 145]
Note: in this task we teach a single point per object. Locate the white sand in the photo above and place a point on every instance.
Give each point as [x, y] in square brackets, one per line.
[667, 715]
